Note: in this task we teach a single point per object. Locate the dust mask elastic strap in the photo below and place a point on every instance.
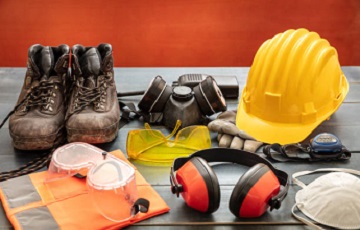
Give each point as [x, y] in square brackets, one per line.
[303, 173]
[296, 181]
[305, 221]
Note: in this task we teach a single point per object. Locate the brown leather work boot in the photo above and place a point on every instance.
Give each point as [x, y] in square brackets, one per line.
[38, 121]
[93, 114]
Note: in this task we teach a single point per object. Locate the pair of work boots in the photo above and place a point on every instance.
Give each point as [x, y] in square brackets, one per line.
[57, 102]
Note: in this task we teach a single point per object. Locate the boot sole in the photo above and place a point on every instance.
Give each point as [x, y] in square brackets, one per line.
[93, 136]
[38, 143]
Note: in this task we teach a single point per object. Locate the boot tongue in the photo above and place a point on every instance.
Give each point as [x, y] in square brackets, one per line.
[90, 64]
[46, 62]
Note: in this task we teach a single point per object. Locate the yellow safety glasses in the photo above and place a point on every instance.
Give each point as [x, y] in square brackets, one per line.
[152, 147]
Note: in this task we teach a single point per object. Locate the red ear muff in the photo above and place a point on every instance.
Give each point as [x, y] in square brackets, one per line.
[200, 186]
[253, 191]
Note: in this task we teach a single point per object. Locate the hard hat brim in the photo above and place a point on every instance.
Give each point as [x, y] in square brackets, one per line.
[271, 132]
[282, 133]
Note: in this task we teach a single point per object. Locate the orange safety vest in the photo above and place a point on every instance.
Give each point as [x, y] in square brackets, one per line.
[30, 203]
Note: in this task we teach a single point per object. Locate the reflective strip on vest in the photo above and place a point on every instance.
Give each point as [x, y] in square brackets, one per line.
[30, 203]
[37, 218]
[20, 192]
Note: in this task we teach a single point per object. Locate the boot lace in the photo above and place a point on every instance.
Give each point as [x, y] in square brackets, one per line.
[41, 95]
[96, 96]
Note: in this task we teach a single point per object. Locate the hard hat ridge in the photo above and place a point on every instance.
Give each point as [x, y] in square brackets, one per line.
[294, 83]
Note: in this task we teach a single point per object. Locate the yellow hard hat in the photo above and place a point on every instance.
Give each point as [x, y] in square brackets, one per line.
[294, 83]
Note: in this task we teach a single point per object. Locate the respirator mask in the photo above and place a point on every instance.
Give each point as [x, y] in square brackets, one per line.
[331, 199]
[166, 104]
[110, 181]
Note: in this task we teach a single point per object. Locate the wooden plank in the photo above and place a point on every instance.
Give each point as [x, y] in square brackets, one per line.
[344, 123]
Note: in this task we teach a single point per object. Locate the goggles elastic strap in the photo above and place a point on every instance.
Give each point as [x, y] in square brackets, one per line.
[141, 205]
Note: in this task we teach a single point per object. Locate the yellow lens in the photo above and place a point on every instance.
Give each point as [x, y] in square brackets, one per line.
[141, 140]
[152, 147]
[195, 137]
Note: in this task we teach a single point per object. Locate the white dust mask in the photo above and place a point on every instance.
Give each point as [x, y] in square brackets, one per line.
[331, 199]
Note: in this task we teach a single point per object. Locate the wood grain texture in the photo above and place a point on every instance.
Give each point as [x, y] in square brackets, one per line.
[344, 123]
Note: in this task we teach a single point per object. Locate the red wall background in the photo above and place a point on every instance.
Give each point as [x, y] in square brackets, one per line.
[152, 33]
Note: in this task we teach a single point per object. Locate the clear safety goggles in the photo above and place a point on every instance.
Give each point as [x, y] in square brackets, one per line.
[151, 146]
[111, 182]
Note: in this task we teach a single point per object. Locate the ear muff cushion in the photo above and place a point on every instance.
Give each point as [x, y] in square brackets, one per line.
[253, 191]
[201, 189]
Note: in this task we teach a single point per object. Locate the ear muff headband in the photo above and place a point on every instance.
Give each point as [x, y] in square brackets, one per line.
[232, 156]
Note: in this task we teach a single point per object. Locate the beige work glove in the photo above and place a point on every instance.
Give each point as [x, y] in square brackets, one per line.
[230, 136]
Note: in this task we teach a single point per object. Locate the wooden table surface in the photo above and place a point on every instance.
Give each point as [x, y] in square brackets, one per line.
[345, 123]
